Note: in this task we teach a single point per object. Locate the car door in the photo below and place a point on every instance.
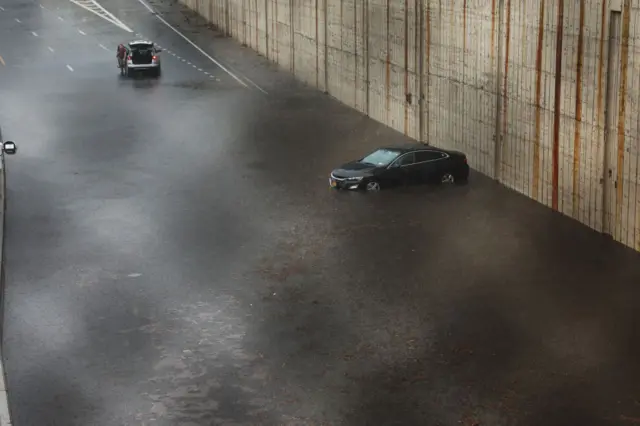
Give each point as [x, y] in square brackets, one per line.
[430, 164]
[403, 170]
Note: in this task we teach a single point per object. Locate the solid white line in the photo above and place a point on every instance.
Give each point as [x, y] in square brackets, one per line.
[255, 85]
[206, 55]
[104, 13]
[18, 21]
[82, 32]
[5, 418]
[69, 68]
[50, 49]
[35, 34]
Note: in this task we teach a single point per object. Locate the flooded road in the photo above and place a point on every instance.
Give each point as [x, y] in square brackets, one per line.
[175, 257]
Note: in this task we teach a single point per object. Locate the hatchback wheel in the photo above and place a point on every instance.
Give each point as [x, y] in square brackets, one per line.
[372, 186]
[447, 178]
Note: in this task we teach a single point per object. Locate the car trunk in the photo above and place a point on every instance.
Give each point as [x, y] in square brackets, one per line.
[141, 56]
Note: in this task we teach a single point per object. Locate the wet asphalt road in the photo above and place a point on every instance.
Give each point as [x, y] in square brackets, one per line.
[174, 257]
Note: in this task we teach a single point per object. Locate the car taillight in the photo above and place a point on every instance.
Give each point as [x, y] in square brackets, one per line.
[129, 57]
[154, 57]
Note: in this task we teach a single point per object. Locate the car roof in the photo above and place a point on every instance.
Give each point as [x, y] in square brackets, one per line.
[408, 147]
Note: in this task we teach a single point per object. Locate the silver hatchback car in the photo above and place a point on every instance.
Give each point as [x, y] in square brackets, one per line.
[143, 56]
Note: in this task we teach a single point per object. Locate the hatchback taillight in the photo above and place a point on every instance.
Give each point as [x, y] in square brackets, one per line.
[154, 57]
[129, 58]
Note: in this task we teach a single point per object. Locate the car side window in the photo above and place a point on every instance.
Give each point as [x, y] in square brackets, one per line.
[422, 156]
[407, 159]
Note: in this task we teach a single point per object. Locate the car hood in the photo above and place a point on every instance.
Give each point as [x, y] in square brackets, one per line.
[354, 169]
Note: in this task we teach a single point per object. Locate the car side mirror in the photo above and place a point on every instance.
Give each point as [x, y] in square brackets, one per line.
[9, 147]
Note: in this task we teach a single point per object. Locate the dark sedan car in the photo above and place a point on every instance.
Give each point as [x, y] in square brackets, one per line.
[401, 165]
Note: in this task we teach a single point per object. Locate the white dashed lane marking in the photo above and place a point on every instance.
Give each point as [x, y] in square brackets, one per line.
[199, 49]
[50, 49]
[2, 8]
[82, 32]
[61, 18]
[18, 21]
[69, 68]
[103, 47]
[35, 34]
[179, 58]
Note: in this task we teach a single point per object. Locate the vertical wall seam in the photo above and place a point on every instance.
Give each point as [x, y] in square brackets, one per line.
[493, 30]
[341, 54]
[266, 28]
[624, 59]
[355, 56]
[387, 80]
[317, 40]
[292, 41]
[556, 112]
[420, 58]
[536, 143]
[428, 66]
[505, 105]
[276, 32]
[600, 120]
[406, 66]
[326, 46]
[367, 58]
[497, 151]
[578, 121]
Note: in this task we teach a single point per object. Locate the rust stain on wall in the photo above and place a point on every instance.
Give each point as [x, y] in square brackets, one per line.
[406, 65]
[493, 31]
[578, 122]
[506, 74]
[624, 62]
[387, 80]
[556, 110]
[536, 143]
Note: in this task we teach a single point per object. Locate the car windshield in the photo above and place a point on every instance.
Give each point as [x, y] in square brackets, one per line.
[381, 157]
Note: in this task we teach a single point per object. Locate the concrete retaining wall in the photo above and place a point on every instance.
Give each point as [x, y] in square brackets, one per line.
[549, 110]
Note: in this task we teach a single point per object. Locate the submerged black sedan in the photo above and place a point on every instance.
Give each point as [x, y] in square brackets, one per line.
[401, 165]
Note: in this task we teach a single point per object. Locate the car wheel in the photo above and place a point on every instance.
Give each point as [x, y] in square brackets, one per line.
[158, 72]
[372, 186]
[447, 178]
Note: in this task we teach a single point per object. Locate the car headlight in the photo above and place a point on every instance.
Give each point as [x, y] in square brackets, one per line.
[354, 179]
